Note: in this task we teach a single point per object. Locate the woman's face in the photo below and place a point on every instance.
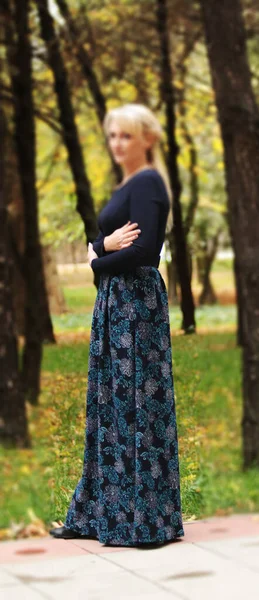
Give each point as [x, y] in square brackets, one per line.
[128, 149]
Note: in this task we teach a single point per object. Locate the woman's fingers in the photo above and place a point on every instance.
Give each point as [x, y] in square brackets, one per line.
[129, 226]
[131, 236]
[128, 242]
[128, 238]
[126, 245]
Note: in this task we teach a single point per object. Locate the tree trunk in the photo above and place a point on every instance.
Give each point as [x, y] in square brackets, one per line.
[190, 143]
[36, 297]
[13, 419]
[239, 121]
[208, 295]
[193, 177]
[171, 283]
[85, 205]
[86, 64]
[55, 302]
[16, 230]
[240, 339]
[172, 280]
[16, 204]
[55, 293]
[239, 335]
[177, 234]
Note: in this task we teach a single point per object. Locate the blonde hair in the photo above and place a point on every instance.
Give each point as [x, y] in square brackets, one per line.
[139, 119]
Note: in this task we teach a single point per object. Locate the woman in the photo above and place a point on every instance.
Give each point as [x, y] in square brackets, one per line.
[129, 493]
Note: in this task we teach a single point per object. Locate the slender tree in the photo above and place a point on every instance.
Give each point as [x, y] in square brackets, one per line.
[24, 131]
[177, 236]
[85, 205]
[189, 44]
[239, 121]
[13, 421]
[15, 99]
[208, 295]
[87, 66]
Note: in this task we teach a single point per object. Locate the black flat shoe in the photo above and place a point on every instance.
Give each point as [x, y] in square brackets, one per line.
[65, 534]
[154, 545]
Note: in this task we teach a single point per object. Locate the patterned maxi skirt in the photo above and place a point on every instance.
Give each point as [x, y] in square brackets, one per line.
[129, 493]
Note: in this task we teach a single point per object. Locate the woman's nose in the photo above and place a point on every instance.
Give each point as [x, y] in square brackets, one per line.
[115, 143]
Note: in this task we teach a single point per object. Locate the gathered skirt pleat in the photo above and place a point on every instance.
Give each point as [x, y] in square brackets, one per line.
[129, 492]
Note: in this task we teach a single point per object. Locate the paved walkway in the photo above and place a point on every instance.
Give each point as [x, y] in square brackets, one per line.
[217, 559]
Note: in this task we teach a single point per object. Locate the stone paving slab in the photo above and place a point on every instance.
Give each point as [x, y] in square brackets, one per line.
[222, 527]
[227, 584]
[177, 571]
[38, 549]
[61, 568]
[178, 557]
[6, 579]
[244, 551]
[214, 528]
[217, 559]
[19, 592]
[194, 572]
[108, 586]
[96, 548]
[90, 577]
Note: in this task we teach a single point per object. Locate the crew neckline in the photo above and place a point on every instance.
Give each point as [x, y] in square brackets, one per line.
[117, 188]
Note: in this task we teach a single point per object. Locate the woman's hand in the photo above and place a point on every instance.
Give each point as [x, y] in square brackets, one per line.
[122, 237]
[91, 253]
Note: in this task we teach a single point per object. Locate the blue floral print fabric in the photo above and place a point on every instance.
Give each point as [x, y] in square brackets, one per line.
[129, 493]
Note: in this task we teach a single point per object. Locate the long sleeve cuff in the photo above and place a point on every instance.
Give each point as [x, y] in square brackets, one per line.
[124, 260]
[98, 247]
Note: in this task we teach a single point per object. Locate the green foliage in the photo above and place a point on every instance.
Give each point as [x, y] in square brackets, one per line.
[121, 39]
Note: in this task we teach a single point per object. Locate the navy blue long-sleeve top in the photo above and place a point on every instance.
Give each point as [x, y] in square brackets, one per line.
[143, 199]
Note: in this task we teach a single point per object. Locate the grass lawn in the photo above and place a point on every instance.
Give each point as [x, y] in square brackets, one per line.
[80, 300]
[206, 366]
